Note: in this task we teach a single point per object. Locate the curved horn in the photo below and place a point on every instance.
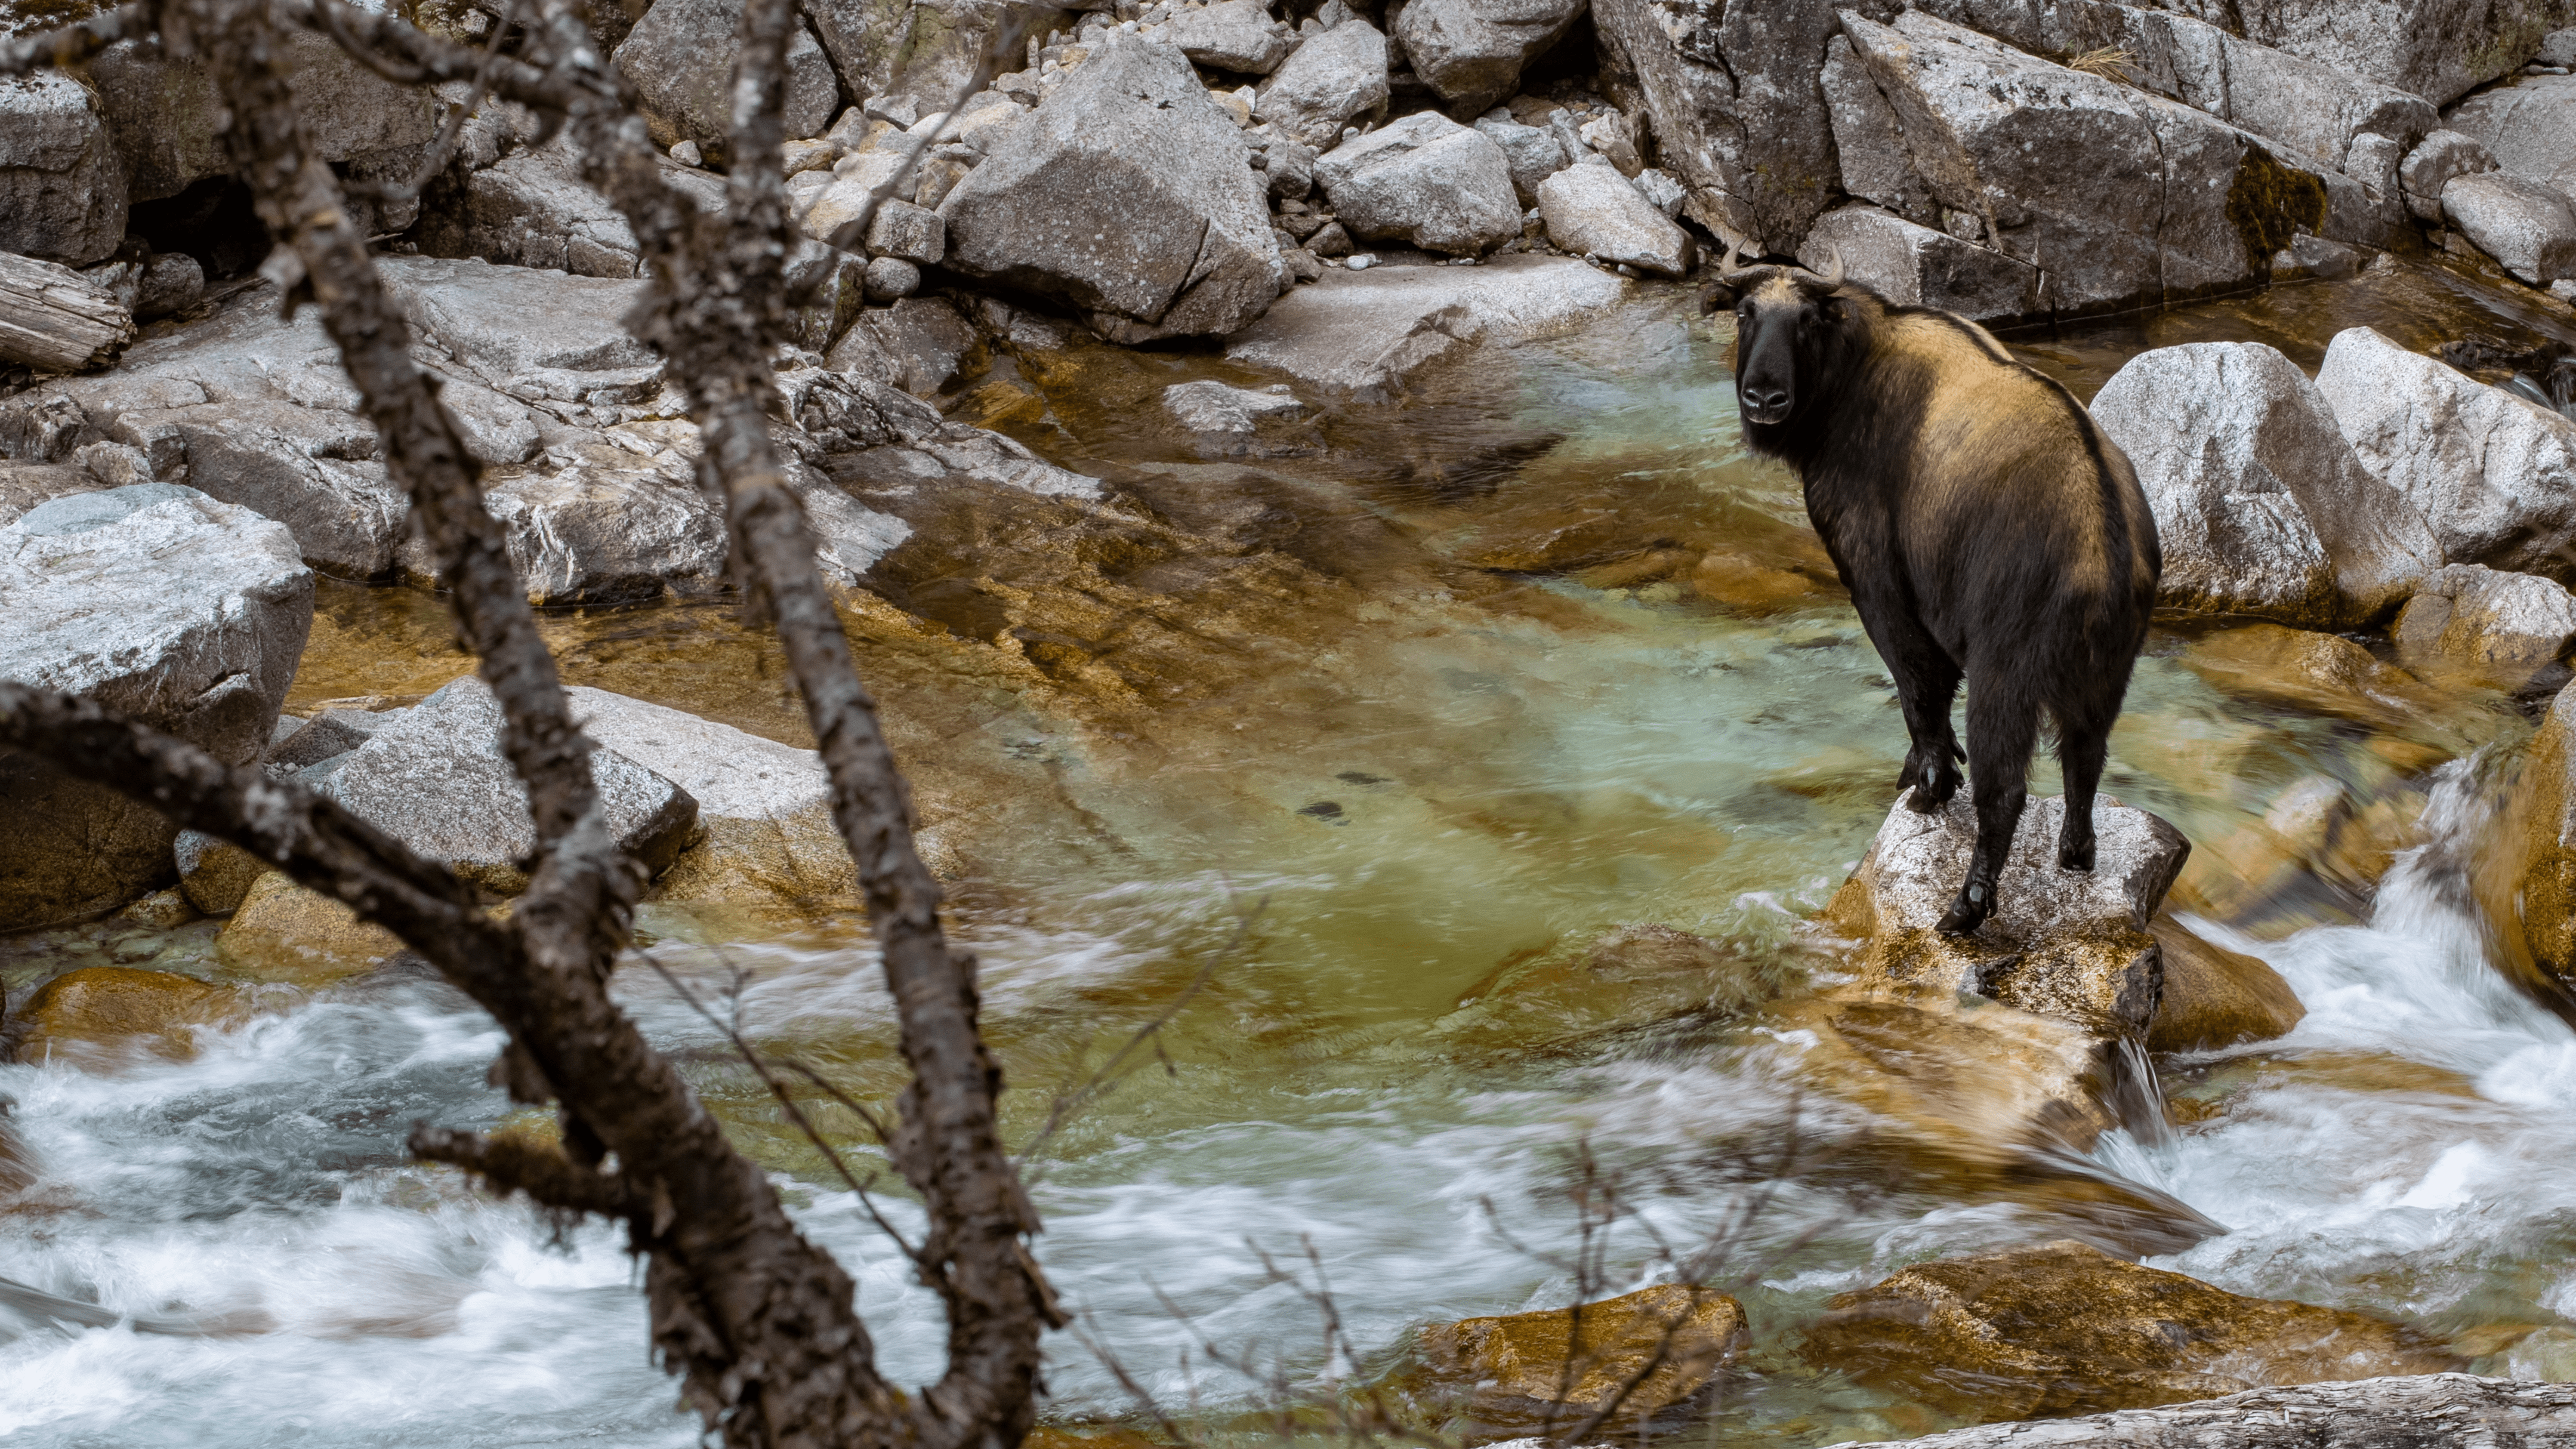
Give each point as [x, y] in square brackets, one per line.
[1727, 270]
[1833, 272]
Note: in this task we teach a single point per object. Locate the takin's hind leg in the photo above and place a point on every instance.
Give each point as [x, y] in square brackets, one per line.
[2003, 723]
[2082, 746]
[1926, 679]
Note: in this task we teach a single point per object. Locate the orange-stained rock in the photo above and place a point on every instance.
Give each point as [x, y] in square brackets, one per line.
[105, 1006]
[1726, 577]
[2306, 670]
[284, 932]
[2061, 1328]
[1514, 1371]
[2214, 997]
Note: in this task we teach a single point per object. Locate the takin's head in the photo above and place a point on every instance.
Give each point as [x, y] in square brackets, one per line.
[1795, 332]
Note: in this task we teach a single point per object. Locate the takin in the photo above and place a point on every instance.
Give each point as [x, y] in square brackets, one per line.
[1985, 528]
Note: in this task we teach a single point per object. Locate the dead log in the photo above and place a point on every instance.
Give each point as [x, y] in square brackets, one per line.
[2428, 1411]
[55, 319]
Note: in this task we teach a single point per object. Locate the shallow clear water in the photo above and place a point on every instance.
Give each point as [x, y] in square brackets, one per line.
[1384, 1040]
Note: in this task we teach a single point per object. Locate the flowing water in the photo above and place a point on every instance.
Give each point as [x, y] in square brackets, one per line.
[1356, 863]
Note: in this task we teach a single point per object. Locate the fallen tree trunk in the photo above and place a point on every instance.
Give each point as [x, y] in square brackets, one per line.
[54, 318]
[2429, 1411]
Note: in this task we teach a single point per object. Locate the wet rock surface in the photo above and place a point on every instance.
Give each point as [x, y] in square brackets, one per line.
[2063, 1328]
[2502, 631]
[98, 1012]
[1528, 1371]
[2213, 997]
[156, 600]
[2070, 945]
[2396, 1412]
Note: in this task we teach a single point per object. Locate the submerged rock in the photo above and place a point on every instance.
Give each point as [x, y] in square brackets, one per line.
[1529, 1372]
[156, 600]
[2260, 504]
[2493, 475]
[2063, 1328]
[95, 1009]
[2503, 631]
[2306, 670]
[2070, 945]
[2214, 997]
[1236, 422]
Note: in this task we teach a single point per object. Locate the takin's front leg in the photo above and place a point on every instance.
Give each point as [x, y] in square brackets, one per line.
[2003, 723]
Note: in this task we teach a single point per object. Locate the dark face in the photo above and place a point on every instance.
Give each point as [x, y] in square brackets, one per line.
[1782, 322]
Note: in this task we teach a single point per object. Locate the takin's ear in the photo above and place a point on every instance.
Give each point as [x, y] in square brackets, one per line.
[1716, 297]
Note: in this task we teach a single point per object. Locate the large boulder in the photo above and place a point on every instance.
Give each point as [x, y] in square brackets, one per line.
[2063, 1328]
[434, 777]
[680, 58]
[1593, 211]
[1426, 180]
[532, 209]
[2493, 475]
[186, 613]
[2525, 225]
[1369, 334]
[2113, 193]
[2437, 49]
[167, 123]
[1869, 139]
[2260, 504]
[1737, 107]
[2071, 945]
[2504, 631]
[62, 191]
[1236, 35]
[1332, 80]
[1915, 265]
[2529, 127]
[1470, 52]
[2431, 165]
[911, 60]
[1130, 194]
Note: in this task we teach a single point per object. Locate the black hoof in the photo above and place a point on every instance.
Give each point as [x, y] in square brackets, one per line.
[1969, 911]
[2076, 857]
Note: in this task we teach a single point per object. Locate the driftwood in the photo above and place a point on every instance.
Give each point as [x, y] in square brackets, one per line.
[54, 318]
[2431, 1411]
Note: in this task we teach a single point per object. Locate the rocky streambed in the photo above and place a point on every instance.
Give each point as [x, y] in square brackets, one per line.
[1468, 784]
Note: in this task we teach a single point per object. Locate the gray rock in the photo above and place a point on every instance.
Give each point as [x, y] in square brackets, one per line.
[24, 485]
[1736, 107]
[2063, 944]
[1533, 153]
[312, 470]
[912, 233]
[2433, 163]
[928, 342]
[1870, 141]
[1332, 80]
[435, 778]
[596, 533]
[164, 118]
[2558, 47]
[2529, 127]
[1471, 52]
[533, 210]
[2111, 193]
[1593, 211]
[1662, 190]
[1369, 334]
[1426, 180]
[1128, 193]
[1919, 266]
[1235, 422]
[2524, 224]
[62, 191]
[2437, 49]
[1289, 164]
[2493, 475]
[2504, 631]
[916, 59]
[328, 735]
[1230, 35]
[680, 57]
[2396, 1412]
[907, 442]
[891, 279]
[2260, 504]
[506, 321]
[156, 600]
[730, 774]
[2303, 106]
